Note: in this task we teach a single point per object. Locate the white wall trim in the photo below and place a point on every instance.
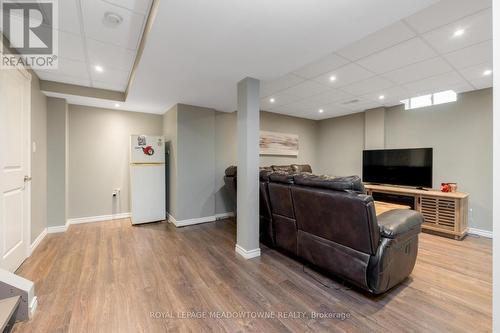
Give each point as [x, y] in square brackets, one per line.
[99, 218]
[223, 216]
[89, 219]
[32, 307]
[481, 232]
[199, 220]
[57, 229]
[247, 254]
[37, 241]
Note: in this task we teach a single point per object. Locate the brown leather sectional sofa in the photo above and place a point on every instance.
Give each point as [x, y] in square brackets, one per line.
[331, 223]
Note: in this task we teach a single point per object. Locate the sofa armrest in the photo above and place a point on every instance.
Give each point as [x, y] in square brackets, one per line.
[399, 221]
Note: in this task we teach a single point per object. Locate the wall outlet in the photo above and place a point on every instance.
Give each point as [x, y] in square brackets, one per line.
[116, 192]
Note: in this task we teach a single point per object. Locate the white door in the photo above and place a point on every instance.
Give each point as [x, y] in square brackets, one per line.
[15, 211]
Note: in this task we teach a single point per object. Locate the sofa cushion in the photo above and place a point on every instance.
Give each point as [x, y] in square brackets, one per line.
[285, 168]
[351, 183]
[264, 174]
[231, 171]
[282, 177]
[298, 168]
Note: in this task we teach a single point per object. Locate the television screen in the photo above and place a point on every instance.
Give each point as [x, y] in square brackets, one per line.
[408, 167]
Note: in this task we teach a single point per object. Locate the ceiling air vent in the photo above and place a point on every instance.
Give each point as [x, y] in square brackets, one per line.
[353, 101]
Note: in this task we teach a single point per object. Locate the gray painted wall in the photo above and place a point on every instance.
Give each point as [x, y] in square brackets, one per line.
[170, 134]
[225, 155]
[340, 145]
[57, 120]
[195, 162]
[226, 147]
[460, 133]
[38, 159]
[462, 137]
[306, 130]
[99, 142]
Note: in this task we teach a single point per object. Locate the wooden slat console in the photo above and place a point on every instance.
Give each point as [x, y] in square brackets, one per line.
[444, 213]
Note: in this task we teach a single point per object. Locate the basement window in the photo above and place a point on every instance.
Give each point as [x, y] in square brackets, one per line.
[442, 97]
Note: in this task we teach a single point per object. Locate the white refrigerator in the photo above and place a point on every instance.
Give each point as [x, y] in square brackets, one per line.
[147, 178]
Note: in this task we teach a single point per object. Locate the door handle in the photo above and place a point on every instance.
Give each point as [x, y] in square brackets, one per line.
[27, 179]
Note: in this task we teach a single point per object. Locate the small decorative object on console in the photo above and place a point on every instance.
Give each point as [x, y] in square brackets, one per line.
[449, 187]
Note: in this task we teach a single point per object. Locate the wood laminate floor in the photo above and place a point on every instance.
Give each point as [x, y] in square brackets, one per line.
[110, 277]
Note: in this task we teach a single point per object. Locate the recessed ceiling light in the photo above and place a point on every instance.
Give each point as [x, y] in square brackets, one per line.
[487, 72]
[272, 100]
[458, 32]
[117, 105]
[321, 110]
[99, 68]
[381, 97]
[333, 78]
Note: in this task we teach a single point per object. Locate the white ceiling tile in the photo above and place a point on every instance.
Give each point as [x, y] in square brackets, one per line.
[305, 105]
[330, 96]
[478, 28]
[71, 46]
[398, 56]
[270, 87]
[127, 34]
[50, 76]
[357, 104]
[110, 78]
[110, 56]
[326, 64]
[138, 6]
[390, 95]
[345, 75]
[378, 41]
[445, 12]
[437, 83]
[475, 75]
[418, 71]
[68, 67]
[305, 89]
[470, 56]
[279, 100]
[368, 86]
[69, 19]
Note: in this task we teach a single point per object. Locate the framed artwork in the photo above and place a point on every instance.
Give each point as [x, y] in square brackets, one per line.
[274, 143]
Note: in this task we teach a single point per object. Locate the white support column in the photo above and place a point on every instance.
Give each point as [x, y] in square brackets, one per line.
[496, 166]
[247, 239]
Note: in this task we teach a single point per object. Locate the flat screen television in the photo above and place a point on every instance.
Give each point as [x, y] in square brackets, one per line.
[407, 167]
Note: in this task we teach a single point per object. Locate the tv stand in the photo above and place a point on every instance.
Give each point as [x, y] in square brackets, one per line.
[444, 213]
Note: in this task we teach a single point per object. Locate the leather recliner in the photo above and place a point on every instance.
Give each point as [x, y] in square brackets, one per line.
[331, 223]
[338, 231]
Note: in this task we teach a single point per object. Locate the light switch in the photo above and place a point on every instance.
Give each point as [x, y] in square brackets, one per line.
[34, 146]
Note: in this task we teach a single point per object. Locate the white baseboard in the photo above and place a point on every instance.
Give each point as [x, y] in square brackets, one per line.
[223, 216]
[32, 307]
[480, 232]
[38, 240]
[99, 218]
[57, 229]
[199, 220]
[247, 254]
[88, 219]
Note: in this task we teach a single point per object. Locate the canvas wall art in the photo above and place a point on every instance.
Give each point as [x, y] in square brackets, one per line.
[274, 143]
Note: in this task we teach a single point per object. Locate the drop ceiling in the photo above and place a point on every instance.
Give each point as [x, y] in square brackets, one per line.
[417, 55]
[85, 41]
[196, 52]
